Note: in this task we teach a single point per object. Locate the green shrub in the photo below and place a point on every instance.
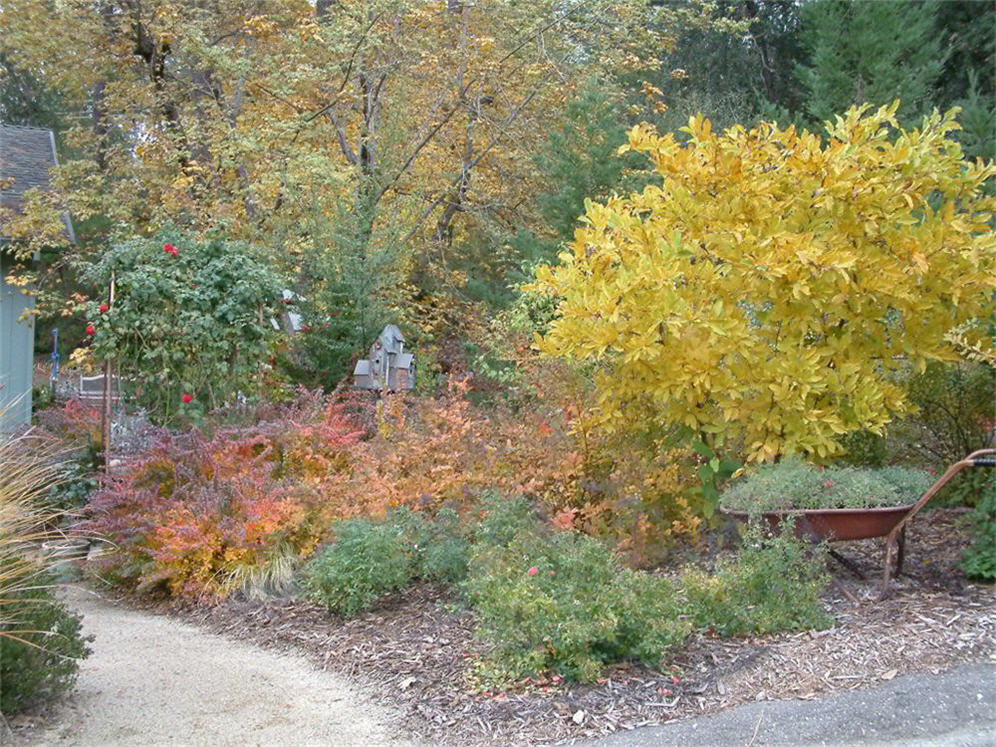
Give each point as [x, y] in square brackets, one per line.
[39, 640]
[76, 483]
[372, 558]
[437, 546]
[190, 319]
[503, 519]
[910, 484]
[561, 601]
[793, 484]
[773, 585]
[955, 403]
[865, 449]
[40, 650]
[367, 561]
[954, 418]
[979, 560]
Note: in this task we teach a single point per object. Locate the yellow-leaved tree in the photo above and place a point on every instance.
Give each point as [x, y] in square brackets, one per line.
[771, 282]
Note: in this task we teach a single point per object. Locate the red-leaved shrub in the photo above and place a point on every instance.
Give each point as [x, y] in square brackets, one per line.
[204, 515]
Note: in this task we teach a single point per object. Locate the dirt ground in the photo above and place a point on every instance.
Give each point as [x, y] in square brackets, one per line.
[153, 680]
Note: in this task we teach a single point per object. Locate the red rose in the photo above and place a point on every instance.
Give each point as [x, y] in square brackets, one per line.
[169, 248]
[103, 308]
[90, 329]
[173, 253]
[187, 398]
[533, 571]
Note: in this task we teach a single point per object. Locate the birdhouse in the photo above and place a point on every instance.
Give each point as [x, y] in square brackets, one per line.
[389, 366]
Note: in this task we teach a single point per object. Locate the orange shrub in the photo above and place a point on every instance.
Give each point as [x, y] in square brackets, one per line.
[206, 515]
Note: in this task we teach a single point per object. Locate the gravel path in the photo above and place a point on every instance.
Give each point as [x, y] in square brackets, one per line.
[152, 680]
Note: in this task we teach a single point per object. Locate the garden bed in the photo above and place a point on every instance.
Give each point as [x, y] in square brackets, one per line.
[413, 651]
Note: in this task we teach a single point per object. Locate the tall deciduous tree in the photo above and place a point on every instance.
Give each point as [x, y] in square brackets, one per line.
[767, 288]
[410, 125]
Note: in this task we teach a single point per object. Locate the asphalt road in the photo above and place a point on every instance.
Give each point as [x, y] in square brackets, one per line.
[953, 709]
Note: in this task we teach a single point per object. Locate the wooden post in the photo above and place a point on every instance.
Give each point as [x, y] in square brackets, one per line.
[105, 418]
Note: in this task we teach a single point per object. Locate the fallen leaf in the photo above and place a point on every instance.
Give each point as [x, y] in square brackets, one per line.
[890, 674]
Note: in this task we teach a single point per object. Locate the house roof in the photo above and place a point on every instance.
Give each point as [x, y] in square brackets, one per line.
[26, 155]
[362, 368]
[392, 339]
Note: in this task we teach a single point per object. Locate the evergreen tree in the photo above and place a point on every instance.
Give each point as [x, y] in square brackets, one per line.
[736, 77]
[579, 160]
[875, 52]
[968, 27]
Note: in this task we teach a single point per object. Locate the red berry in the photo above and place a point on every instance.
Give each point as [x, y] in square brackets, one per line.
[187, 398]
[103, 308]
[90, 329]
[169, 248]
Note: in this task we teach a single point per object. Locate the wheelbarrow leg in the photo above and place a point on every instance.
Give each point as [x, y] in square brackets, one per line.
[891, 547]
[900, 552]
[847, 563]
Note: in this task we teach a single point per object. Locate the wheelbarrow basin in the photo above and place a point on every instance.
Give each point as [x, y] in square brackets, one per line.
[836, 523]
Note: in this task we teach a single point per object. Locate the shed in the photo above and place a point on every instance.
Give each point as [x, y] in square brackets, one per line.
[389, 366]
[26, 156]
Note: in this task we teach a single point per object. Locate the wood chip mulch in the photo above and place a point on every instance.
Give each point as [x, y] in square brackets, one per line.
[413, 652]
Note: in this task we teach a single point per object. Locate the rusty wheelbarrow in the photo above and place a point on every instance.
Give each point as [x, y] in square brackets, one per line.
[843, 524]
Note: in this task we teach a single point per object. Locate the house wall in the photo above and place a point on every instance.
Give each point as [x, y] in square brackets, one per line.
[17, 347]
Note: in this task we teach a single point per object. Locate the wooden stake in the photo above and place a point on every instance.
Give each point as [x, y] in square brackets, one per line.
[105, 418]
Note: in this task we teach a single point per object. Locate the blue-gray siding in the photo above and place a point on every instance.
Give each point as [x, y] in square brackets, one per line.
[17, 347]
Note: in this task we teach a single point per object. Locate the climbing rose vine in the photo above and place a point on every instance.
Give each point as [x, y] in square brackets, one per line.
[193, 325]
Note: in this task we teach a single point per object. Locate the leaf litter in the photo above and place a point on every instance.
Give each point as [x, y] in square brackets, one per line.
[413, 651]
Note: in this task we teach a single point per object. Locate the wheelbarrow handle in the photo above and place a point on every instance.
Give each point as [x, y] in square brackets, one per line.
[980, 458]
[982, 453]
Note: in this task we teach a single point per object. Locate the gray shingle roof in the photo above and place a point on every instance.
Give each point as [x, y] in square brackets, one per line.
[26, 155]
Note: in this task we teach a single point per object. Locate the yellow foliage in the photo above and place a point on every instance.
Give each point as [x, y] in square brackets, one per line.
[770, 283]
[82, 358]
[276, 119]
